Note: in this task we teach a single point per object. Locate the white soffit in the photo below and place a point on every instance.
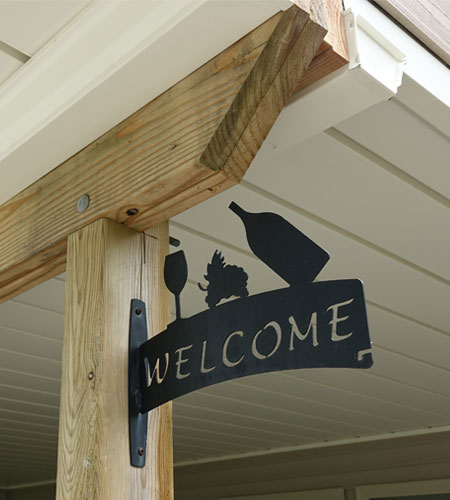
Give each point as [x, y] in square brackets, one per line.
[28, 24]
[110, 61]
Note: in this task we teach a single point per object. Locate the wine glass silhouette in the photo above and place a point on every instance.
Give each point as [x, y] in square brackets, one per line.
[175, 276]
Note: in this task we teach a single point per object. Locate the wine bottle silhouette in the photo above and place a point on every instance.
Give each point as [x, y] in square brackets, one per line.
[281, 246]
[175, 276]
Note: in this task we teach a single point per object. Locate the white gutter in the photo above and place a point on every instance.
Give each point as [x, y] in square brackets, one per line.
[426, 87]
[385, 62]
[373, 75]
[374, 60]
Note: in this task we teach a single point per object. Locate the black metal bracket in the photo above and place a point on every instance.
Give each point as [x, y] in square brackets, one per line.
[137, 381]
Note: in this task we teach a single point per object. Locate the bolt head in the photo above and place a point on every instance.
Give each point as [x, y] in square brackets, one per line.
[83, 203]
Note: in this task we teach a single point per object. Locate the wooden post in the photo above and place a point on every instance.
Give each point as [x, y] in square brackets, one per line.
[108, 265]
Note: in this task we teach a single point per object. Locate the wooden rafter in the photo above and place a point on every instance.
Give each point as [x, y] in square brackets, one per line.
[193, 141]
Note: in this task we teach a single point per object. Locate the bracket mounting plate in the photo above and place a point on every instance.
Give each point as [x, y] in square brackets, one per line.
[137, 380]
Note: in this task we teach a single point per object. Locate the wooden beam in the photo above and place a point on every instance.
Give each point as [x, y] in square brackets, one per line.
[192, 142]
[108, 265]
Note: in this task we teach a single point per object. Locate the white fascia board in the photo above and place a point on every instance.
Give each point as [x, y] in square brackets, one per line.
[110, 61]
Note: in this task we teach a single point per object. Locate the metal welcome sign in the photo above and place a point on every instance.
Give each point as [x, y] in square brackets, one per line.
[305, 325]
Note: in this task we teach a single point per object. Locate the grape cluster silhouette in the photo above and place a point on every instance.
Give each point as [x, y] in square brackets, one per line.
[224, 280]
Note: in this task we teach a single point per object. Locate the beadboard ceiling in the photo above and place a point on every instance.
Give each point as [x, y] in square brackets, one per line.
[374, 192]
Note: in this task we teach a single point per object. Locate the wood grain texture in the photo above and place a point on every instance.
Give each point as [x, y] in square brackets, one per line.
[335, 38]
[427, 20]
[192, 142]
[108, 265]
[267, 89]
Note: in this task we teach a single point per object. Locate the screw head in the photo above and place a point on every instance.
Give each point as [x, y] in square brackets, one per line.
[83, 203]
[90, 375]
[138, 311]
[141, 452]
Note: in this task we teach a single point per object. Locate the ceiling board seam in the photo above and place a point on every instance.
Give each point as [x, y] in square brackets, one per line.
[30, 390]
[414, 387]
[29, 485]
[51, 436]
[343, 232]
[224, 434]
[27, 423]
[13, 52]
[336, 388]
[8, 439]
[36, 455]
[387, 166]
[194, 447]
[245, 427]
[396, 100]
[30, 356]
[361, 396]
[417, 360]
[36, 307]
[13, 454]
[417, 388]
[26, 332]
[408, 318]
[261, 432]
[46, 438]
[179, 439]
[36, 447]
[29, 403]
[306, 400]
[29, 414]
[33, 452]
[27, 439]
[30, 374]
[289, 449]
[259, 419]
